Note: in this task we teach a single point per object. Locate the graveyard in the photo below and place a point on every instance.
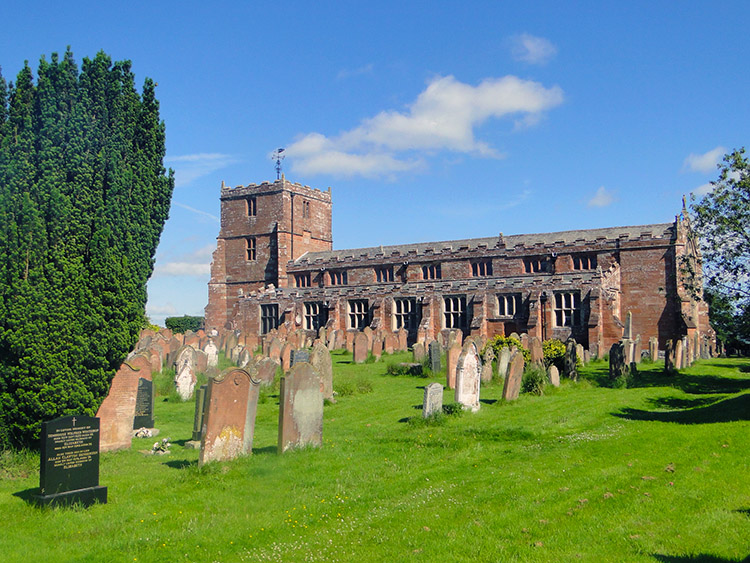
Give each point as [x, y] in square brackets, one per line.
[657, 471]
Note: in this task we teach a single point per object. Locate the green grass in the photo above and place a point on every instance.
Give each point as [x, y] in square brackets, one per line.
[655, 472]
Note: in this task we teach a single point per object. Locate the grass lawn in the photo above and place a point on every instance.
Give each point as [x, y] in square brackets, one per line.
[656, 472]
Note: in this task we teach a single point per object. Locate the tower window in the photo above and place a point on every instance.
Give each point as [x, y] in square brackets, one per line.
[305, 209]
[584, 261]
[384, 274]
[481, 268]
[302, 280]
[339, 277]
[252, 209]
[251, 248]
[431, 272]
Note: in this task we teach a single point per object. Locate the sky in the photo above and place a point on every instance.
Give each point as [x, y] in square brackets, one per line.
[429, 121]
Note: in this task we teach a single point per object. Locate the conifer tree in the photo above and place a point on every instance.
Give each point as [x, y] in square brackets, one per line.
[83, 200]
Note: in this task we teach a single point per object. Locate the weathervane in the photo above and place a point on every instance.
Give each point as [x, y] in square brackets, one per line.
[278, 156]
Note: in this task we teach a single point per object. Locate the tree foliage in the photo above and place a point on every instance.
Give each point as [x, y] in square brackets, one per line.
[184, 323]
[722, 221]
[83, 200]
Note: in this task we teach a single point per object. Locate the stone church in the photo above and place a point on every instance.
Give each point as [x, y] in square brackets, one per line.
[275, 264]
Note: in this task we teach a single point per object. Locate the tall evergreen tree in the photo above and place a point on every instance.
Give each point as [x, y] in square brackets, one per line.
[83, 201]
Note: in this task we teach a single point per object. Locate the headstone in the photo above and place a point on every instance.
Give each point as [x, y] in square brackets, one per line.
[235, 352]
[628, 350]
[390, 343]
[377, 346]
[678, 356]
[286, 356]
[653, 348]
[274, 349]
[512, 386]
[266, 370]
[117, 411]
[536, 351]
[212, 353]
[569, 365]
[554, 375]
[402, 336]
[201, 361]
[300, 356]
[144, 404]
[185, 375]
[617, 361]
[349, 340]
[418, 352]
[320, 359]
[525, 340]
[468, 376]
[244, 358]
[360, 348]
[628, 332]
[433, 400]
[300, 409]
[200, 409]
[368, 332]
[637, 349]
[434, 351]
[69, 463]
[322, 336]
[503, 362]
[451, 360]
[229, 420]
[489, 356]
[669, 356]
[586, 357]
[580, 353]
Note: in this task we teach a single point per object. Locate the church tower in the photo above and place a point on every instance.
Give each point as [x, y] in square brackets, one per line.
[263, 227]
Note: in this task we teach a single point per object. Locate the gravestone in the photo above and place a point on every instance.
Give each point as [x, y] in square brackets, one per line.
[402, 336]
[244, 358]
[433, 400]
[69, 463]
[360, 348]
[322, 336]
[525, 340]
[637, 349]
[669, 356]
[617, 361]
[144, 404]
[349, 340]
[418, 352]
[300, 409]
[628, 350]
[286, 356]
[201, 361]
[536, 351]
[117, 411]
[229, 420]
[368, 332]
[377, 346]
[628, 331]
[489, 356]
[554, 375]
[390, 343]
[212, 354]
[434, 352]
[569, 363]
[653, 348]
[185, 373]
[451, 360]
[503, 362]
[235, 352]
[678, 356]
[512, 386]
[266, 370]
[274, 350]
[320, 359]
[468, 376]
[200, 410]
[299, 356]
[581, 354]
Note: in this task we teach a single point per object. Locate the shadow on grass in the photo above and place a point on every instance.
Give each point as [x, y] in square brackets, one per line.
[266, 450]
[27, 495]
[488, 401]
[701, 557]
[181, 463]
[725, 410]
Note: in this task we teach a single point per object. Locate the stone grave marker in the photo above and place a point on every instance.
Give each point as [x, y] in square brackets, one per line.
[535, 349]
[360, 348]
[349, 340]
[512, 386]
[525, 340]
[320, 359]
[229, 419]
[468, 376]
[628, 331]
[117, 411]
[402, 337]
[554, 375]
[434, 352]
[489, 356]
[144, 404]
[300, 409]
[678, 356]
[580, 353]
[286, 356]
[299, 356]
[433, 400]
[451, 360]
[69, 463]
[266, 368]
[244, 358]
[503, 362]
[617, 361]
[669, 356]
[212, 353]
[185, 372]
[274, 349]
[653, 348]
[418, 352]
[200, 410]
[390, 343]
[569, 363]
[367, 331]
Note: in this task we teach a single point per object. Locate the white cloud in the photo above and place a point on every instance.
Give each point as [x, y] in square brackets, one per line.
[182, 269]
[602, 198]
[161, 310]
[531, 49]
[443, 117]
[190, 167]
[703, 189]
[213, 218]
[705, 162]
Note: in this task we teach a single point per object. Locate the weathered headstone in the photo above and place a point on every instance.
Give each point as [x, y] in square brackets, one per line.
[320, 359]
[669, 356]
[229, 420]
[489, 356]
[390, 343]
[451, 360]
[653, 348]
[628, 350]
[300, 409]
[554, 375]
[200, 410]
[418, 352]
[468, 376]
[349, 340]
[274, 349]
[377, 346]
[299, 356]
[617, 361]
[402, 336]
[580, 353]
[678, 356]
[212, 353]
[503, 362]
[360, 348]
[185, 372]
[628, 331]
[536, 352]
[286, 356]
[433, 400]
[434, 351]
[512, 386]
[69, 462]
[117, 411]
[144, 404]
[266, 370]
[244, 358]
[569, 365]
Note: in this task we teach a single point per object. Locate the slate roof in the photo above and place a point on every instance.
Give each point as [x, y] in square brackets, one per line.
[654, 231]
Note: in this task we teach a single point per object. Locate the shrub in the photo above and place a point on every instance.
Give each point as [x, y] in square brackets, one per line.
[184, 323]
[534, 380]
[499, 342]
[453, 409]
[554, 353]
[364, 385]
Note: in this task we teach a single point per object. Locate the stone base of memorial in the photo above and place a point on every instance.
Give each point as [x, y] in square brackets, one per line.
[69, 463]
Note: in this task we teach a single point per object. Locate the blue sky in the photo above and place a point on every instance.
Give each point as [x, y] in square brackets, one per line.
[430, 121]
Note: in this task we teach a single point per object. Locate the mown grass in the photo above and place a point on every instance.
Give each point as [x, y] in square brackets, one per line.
[655, 472]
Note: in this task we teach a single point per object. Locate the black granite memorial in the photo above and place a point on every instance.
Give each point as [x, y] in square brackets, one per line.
[200, 411]
[69, 464]
[144, 405]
